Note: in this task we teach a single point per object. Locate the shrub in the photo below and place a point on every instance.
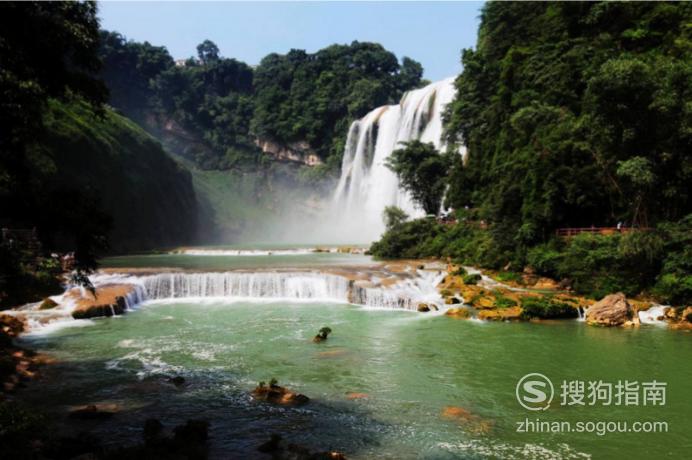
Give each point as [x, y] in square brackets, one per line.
[472, 279]
[509, 276]
[504, 302]
[546, 307]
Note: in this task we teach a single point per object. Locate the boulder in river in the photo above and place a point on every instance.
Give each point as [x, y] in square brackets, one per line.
[108, 301]
[92, 412]
[612, 310]
[47, 304]
[322, 335]
[276, 394]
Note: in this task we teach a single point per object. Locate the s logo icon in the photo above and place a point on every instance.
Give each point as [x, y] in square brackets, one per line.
[535, 391]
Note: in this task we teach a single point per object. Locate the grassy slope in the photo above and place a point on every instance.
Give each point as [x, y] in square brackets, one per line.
[148, 194]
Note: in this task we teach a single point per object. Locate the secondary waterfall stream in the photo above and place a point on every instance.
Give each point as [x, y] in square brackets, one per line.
[366, 185]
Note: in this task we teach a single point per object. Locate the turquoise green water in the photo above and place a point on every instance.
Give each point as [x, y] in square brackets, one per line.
[410, 366]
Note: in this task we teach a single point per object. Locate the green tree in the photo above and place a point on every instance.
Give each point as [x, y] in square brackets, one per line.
[393, 217]
[637, 172]
[422, 171]
[207, 52]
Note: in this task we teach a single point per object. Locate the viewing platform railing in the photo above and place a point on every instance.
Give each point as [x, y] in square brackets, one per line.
[567, 232]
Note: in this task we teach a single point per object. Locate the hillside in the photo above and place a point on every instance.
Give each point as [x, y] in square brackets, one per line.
[147, 194]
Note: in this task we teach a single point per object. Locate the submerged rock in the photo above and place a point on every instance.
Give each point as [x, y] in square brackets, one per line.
[276, 394]
[612, 310]
[176, 380]
[91, 412]
[459, 312]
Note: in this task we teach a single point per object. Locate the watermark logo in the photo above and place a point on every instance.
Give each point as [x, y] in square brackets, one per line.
[535, 391]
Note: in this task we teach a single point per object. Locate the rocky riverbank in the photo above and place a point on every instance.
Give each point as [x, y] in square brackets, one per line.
[490, 296]
[17, 365]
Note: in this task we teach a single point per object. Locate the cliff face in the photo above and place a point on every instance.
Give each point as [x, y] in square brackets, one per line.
[299, 152]
[149, 195]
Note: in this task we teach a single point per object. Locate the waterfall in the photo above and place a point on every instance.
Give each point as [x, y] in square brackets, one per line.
[308, 286]
[254, 286]
[366, 185]
[283, 286]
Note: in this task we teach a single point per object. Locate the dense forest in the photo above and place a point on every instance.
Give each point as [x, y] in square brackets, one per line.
[211, 109]
[574, 115]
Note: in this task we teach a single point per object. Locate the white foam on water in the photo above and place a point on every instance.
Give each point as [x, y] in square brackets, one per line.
[652, 315]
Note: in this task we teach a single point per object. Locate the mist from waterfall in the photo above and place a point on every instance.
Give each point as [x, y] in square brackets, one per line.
[366, 185]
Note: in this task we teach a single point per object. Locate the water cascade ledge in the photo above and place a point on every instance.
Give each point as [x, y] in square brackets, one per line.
[309, 286]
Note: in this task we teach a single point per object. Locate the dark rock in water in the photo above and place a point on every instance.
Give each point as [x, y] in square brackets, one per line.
[273, 445]
[91, 412]
[10, 325]
[322, 335]
[423, 307]
[278, 451]
[177, 380]
[74, 446]
[194, 431]
[153, 429]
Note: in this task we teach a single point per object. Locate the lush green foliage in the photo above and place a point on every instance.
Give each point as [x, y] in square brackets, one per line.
[47, 50]
[211, 109]
[575, 114]
[422, 170]
[205, 105]
[547, 308]
[314, 97]
[472, 278]
[147, 195]
[657, 261]
[393, 217]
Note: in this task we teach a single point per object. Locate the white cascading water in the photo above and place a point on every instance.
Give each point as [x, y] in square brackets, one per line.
[242, 286]
[252, 286]
[366, 185]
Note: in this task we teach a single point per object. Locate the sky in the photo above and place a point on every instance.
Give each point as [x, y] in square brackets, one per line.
[433, 33]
